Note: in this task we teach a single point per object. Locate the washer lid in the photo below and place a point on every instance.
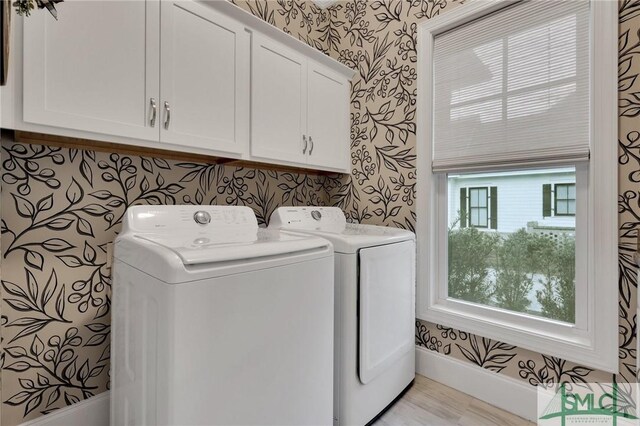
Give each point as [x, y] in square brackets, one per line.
[204, 234]
[231, 245]
[330, 223]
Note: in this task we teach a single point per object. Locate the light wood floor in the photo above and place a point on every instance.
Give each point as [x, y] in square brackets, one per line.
[430, 403]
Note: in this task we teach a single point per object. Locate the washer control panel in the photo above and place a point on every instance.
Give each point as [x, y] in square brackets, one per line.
[171, 219]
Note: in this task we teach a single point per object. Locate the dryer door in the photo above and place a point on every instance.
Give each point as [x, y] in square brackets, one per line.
[387, 306]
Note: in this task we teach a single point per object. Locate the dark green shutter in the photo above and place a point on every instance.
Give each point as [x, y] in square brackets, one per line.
[493, 212]
[463, 207]
[546, 200]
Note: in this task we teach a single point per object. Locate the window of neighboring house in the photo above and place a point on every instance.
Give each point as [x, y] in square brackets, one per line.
[559, 199]
[508, 98]
[479, 207]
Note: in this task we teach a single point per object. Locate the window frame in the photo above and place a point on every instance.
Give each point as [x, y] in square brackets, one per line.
[555, 199]
[595, 344]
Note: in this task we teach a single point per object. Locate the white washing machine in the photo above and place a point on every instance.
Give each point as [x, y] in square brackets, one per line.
[375, 309]
[217, 322]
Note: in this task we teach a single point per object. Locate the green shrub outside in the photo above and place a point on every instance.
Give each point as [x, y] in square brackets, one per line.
[500, 270]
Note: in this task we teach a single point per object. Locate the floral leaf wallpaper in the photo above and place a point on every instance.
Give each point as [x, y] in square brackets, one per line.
[62, 208]
[378, 39]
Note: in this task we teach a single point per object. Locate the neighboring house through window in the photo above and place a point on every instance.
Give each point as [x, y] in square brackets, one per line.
[479, 207]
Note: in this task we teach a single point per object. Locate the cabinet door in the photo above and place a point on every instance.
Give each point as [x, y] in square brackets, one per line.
[95, 69]
[329, 134]
[204, 78]
[278, 102]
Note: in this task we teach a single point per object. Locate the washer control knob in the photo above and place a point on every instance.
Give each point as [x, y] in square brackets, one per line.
[201, 217]
[316, 214]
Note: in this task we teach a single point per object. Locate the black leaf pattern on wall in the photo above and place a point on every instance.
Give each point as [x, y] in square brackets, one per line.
[30, 302]
[356, 28]
[60, 374]
[487, 353]
[56, 276]
[553, 371]
[21, 167]
[629, 9]
[259, 8]
[426, 339]
[629, 102]
[452, 333]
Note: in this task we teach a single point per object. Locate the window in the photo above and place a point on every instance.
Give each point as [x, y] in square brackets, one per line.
[559, 200]
[529, 265]
[506, 104]
[478, 207]
[565, 199]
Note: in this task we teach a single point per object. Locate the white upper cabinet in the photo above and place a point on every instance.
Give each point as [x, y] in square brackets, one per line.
[96, 69]
[204, 78]
[328, 122]
[279, 103]
[300, 109]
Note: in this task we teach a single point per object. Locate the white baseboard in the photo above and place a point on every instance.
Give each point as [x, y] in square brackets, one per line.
[90, 412]
[504, 392]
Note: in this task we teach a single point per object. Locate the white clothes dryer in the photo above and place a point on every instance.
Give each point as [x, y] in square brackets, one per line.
[217, 322]
[374, 309]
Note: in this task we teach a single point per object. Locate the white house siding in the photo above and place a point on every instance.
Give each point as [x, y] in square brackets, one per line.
[519, 196]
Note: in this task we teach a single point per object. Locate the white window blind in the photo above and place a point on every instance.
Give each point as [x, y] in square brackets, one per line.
[513, 88]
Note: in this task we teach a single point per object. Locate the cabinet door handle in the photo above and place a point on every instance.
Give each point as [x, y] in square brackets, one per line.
[154, 111]
[311, 148]
[167, 119]
[304, 139]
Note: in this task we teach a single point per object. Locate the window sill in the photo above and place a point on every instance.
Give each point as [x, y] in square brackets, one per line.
[537, 334]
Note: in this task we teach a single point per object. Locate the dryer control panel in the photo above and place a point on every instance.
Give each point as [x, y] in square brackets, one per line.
[308, 218]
